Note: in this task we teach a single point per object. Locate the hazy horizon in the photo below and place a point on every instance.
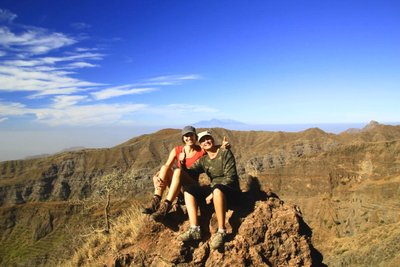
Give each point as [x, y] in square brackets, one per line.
[59, 140]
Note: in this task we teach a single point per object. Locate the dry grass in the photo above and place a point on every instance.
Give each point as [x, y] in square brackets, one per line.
[97, 246]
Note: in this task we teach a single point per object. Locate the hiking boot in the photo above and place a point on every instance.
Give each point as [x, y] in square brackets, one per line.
[218, 240]
[190, 235]
[162, 211]
[154, 205]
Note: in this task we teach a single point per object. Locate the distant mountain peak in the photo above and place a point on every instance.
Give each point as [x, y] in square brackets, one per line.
[371, 125]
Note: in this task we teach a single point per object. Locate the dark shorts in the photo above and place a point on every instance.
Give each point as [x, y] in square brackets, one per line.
[201, 192]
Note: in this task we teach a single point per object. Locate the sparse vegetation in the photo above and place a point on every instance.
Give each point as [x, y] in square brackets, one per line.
[122, 233]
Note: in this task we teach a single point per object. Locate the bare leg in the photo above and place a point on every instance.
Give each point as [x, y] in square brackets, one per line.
[175, 185]
[220, 207]
[166, 175]
[178, 178]
[194, 232]
[191, 206]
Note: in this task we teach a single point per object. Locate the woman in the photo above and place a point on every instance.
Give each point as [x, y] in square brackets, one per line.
[180, 155]
[220, 167]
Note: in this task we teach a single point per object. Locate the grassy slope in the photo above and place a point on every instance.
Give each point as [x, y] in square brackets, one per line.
[71, 225]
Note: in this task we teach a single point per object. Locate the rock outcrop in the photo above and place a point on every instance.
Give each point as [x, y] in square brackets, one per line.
[262, 232]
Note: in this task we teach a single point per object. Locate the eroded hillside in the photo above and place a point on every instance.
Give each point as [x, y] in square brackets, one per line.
[346, 185]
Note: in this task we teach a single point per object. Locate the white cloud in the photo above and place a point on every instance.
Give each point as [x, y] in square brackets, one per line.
[43, 82]
[65, 113]
[85, 49]
[169, 80]
[3, 119]
[41, 61]
[13, 109]
[34, 40]
[58, 91]
[120, 91]
[6, 15]
[87, 115]
[63, 101]
[43, 75]
[133, 89]
[176, 78]
[77, 65]
[29, 68]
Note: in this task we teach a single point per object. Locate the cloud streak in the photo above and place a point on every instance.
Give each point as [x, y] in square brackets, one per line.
[64, 101]
[12, 109]
[169, 80]
[67, 100]
[27, 70]
[33, 41]
[65, 112]
[42, 81]
[120, 91]
[87, 115]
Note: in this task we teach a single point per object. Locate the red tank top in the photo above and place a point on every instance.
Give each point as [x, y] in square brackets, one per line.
[189, 161]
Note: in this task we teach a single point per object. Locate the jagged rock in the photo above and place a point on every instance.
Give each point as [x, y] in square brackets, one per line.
[266, 232]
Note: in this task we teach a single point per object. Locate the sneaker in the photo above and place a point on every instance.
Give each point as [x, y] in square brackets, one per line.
[154, 205]
[162, 211]
[218, 240]
[190, 235]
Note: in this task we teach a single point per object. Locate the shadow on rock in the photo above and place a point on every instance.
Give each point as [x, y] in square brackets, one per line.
[317, 257]
[262, 230]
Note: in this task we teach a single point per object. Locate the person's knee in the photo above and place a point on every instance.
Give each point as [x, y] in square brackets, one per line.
[163, 169]
[189, 198]
[218, 193]
[189, 191]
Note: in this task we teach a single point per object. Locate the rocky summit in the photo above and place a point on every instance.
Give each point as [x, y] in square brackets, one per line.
[263, 232]
[338, 205]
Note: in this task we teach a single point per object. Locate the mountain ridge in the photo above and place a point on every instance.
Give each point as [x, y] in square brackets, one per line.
[336, 179]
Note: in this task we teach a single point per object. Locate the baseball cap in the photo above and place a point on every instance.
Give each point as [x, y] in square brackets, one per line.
[188, 129]
[202, 134]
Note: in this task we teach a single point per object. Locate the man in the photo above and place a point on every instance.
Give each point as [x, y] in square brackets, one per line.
[220, 166]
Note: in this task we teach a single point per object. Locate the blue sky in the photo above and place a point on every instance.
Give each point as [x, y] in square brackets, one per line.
[96, 73]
